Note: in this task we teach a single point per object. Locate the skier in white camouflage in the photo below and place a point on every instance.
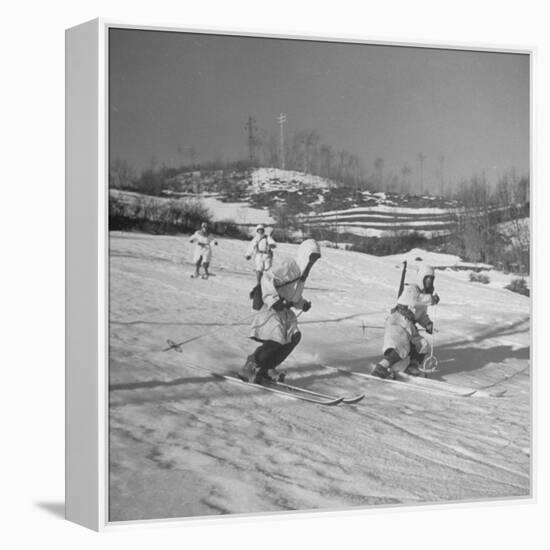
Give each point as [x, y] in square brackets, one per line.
[261, 251]
[402, 341]
[202, 255]
[275, 325]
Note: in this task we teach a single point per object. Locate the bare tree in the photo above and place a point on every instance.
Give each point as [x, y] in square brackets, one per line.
[406, 177]
[379, 171]
[441, 173]
[269, 149]
[327, 160]
[252, 141]
[311, 141]
[121, 174]
[513, 195]
[421, 157]
[475, 232]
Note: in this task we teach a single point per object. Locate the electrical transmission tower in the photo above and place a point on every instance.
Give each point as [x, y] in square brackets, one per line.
[282, 119]
[252, 140]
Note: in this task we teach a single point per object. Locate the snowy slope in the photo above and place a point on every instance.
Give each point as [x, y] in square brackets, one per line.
[455, 267]
[184, 443]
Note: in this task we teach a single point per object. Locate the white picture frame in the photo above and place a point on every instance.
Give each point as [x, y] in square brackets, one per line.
[87, 247]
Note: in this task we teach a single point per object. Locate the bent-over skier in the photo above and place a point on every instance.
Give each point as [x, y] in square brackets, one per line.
[261, 250]
[275, 326]
[401, 337]
[203, 251]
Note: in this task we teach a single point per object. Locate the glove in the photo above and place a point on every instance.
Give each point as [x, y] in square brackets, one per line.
[430, 328]
[248, 257]
[280, 304]
[306, 306]
[435, 299]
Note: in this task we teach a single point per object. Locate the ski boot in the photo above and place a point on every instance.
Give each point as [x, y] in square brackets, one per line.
[250, 371]
[381, 371]
[275, 376]
[413, 369]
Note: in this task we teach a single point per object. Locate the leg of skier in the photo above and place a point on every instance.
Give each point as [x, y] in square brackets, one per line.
[266, 358]
[396, 346]
[197, 267]
[278, 357]
[383, 368]
[259, 261]
[255, 360]
[419, 349]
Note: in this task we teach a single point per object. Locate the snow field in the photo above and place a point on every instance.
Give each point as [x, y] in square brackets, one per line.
[184, 443]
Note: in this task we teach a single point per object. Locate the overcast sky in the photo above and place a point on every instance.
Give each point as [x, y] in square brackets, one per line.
[170, 90]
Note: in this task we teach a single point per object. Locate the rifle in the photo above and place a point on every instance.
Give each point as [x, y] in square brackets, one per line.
[402, 282]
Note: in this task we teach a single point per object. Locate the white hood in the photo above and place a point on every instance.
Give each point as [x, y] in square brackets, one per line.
[423, 271]
[305, 250]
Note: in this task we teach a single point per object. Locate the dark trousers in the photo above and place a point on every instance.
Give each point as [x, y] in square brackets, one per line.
[271, 354]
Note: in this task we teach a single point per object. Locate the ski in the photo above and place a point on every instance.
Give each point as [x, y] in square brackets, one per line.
[422, 384]
[463, 391]
[304, 396]
[351, 400]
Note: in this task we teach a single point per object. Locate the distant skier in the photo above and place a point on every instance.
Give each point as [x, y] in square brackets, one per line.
[261, 250]
[401, 337]
[203, 251]
[276, 324]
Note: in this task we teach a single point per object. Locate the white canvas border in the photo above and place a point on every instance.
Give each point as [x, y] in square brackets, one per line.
[103, 250]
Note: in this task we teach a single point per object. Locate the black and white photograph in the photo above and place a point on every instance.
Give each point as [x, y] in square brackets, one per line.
[319, 274]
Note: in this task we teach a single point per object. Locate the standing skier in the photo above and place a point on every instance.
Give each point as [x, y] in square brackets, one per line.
[275, 325]
[401, 337]
[203, 251]
[261, 250]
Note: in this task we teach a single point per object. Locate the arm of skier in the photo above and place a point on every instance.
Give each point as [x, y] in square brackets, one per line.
[302, 304]
[425, 321]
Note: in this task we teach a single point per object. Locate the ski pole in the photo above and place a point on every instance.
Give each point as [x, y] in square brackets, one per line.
[177, 345]
[430, 363]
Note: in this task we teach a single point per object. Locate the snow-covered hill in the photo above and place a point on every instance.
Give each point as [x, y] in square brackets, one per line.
[183, 443]
[381, 220]
[252, 197]
[275, 179]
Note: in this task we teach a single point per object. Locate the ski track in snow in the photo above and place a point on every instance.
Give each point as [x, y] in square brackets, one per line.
[184, 443]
